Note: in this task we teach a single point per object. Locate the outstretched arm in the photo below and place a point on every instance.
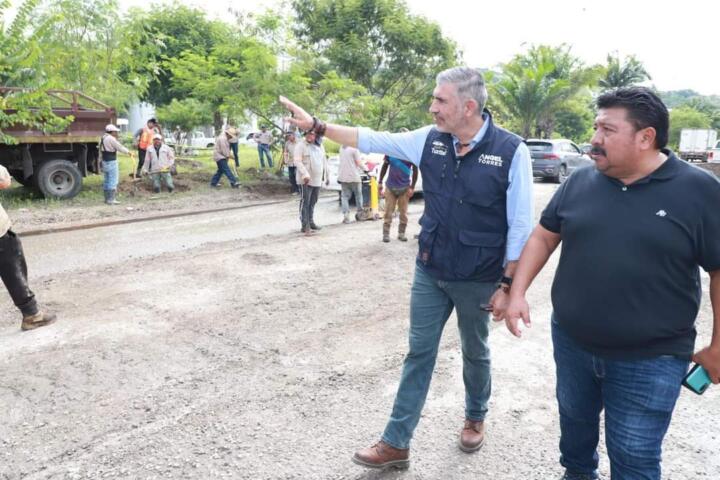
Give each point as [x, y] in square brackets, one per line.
[304, 121]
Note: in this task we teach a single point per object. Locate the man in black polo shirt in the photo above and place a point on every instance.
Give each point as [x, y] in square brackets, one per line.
[627, 289]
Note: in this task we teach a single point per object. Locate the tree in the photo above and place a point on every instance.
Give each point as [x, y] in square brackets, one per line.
[19, 48]
[575, 119]
[232, 76]
[533, 86]
[166, 32]
[623, 73]
[379, 45]
[685, 117]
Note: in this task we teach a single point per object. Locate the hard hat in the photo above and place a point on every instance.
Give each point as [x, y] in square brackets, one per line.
[157, 136]
[111, 128]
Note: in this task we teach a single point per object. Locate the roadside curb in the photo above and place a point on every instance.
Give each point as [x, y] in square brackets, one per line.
[108, 223]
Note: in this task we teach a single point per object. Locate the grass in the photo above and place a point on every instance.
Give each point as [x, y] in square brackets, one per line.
[199, 168]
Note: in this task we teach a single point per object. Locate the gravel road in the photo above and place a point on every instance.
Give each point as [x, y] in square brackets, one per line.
[229, 346]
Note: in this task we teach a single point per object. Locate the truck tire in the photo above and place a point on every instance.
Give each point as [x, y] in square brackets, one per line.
[59, 179]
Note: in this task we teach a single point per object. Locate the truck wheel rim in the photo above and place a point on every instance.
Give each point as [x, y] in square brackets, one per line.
[61, 182]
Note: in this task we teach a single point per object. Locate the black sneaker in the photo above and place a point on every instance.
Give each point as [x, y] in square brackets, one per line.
[236, 185]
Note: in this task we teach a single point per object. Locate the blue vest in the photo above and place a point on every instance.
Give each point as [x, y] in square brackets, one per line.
[464, 226]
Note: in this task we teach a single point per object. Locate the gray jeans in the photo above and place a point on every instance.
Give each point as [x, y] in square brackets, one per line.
[348, 188]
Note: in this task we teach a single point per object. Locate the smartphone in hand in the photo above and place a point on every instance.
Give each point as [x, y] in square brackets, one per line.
[697, 380]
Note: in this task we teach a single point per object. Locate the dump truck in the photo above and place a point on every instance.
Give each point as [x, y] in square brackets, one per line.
[56, 163]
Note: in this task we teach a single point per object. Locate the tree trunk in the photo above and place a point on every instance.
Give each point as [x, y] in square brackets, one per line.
[217, 122]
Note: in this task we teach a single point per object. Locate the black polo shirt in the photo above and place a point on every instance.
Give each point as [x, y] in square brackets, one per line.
[628, 284]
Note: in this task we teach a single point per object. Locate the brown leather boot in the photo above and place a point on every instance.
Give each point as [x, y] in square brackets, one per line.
[401, 232]
[40, 319]
[382, 455]
[472, 436]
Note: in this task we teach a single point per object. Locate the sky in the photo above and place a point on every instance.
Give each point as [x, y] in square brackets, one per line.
[678, 42]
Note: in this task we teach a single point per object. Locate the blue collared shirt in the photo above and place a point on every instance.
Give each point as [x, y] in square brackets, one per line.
[410, 145]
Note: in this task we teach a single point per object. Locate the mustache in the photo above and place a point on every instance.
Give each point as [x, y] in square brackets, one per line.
[598, 151]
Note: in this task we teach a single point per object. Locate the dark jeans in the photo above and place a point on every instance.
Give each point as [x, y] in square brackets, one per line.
[223, 169]
[141, 160]
[293, 179]
[13, 271]
[638, 397]
[234, 148]
[308, 199]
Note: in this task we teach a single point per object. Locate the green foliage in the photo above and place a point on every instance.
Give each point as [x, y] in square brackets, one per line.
[18, 55]
[623, 72]
[575, 119]
[379, 45]
[19, 46]
[535, 85]
[685, 117]
[188, 114]
[164, 33]
[84, 48]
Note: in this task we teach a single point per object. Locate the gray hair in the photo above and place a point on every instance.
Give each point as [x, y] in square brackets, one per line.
[469, 82]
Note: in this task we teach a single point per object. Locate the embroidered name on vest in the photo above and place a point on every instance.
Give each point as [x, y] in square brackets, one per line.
[493, 160]
[439, 148]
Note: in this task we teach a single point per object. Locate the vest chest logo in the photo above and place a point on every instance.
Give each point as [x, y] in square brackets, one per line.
[493, 160]
[439, 148]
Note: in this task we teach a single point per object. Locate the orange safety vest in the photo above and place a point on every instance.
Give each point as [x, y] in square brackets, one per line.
[145, 138]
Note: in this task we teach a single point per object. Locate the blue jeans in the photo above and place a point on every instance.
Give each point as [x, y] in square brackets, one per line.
[110, 174]
[264, 149]
[234, 148]
[223, 169]
[431, 303]
[638, 397]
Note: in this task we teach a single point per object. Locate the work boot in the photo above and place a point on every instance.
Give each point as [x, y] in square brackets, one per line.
[111, 198]
[346, 217]
[107, 196]
[315, 227]
[472, 436]
[386, 233]
[40, 319]
[156, 189]
[171, 189]
[401, 232]
[382, 455]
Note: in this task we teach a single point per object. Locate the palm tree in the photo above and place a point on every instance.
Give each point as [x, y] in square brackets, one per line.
[532, 87]
[623, 74]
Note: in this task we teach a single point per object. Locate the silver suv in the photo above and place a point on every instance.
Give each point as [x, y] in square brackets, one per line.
[556, 159]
